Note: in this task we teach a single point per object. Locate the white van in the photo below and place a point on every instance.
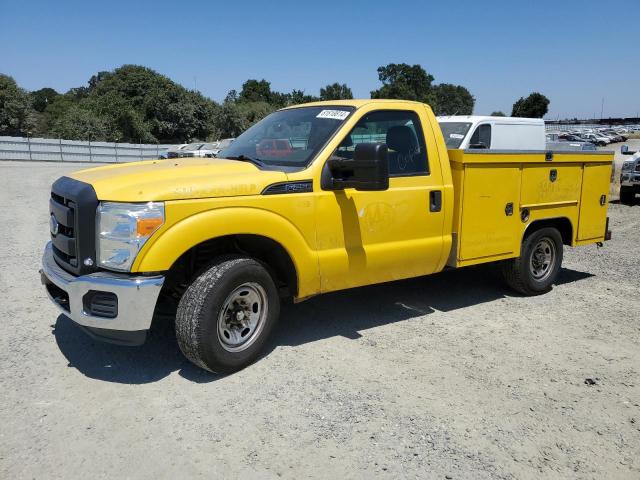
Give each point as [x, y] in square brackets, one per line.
[495, 133]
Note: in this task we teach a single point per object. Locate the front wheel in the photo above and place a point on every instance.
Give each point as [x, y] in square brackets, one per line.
[226, 315]
[538, 265]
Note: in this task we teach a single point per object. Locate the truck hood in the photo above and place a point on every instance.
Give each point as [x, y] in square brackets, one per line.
[175, 179]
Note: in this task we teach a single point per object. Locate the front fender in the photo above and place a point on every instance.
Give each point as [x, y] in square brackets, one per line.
[160, 253]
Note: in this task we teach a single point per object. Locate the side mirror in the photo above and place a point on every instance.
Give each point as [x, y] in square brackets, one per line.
[624, 149]
[367, 171]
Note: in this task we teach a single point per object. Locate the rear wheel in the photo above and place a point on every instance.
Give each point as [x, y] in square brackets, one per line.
[538, 265]
[226, 315]
[627, 196]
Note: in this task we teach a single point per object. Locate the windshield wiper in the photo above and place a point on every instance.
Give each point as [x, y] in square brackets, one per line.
[243, 158]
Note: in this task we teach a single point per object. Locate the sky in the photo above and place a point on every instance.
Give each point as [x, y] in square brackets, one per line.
[577, 53]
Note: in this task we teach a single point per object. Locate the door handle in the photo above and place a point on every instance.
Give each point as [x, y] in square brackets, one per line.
[435, 200]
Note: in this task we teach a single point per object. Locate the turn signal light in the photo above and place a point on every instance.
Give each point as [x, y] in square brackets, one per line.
[146, 226]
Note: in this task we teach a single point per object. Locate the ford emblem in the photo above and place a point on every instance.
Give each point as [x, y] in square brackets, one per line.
[54, 226]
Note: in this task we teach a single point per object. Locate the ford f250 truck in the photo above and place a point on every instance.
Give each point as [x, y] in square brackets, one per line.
[366, 192]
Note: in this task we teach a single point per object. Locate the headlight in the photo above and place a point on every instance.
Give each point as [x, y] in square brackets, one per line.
[123, 228]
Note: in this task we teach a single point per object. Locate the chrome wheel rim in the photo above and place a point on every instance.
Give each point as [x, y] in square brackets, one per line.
[242, 317]
[542, 259]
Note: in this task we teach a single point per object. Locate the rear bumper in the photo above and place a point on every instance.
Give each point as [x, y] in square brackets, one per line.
[135, 300]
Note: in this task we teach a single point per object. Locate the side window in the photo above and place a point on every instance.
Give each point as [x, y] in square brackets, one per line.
[401, 131]
[481, 138]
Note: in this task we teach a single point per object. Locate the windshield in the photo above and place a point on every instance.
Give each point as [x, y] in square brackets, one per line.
[288, 138]
[454, 132]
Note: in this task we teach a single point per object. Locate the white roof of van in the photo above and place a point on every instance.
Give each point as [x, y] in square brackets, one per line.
[483, 118]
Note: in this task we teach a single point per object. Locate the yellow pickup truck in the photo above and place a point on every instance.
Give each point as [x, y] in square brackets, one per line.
[314, 198]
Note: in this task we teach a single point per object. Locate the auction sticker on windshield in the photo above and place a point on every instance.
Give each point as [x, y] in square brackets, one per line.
[456, 135]
[333, 114]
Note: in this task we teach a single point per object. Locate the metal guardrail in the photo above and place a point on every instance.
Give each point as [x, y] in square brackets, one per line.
[58, 150]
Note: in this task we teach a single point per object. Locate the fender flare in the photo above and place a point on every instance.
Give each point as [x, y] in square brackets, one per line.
[163, 249]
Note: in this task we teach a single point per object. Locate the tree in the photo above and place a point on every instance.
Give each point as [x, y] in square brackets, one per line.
[232, 96]
[336, 91]
[498, 113]
[256, 91]
[407, 82]
[139, 104]
[452, 100]
[97, 78]
[233, 118]
[16, 113]
[41, 98]
[297, 97]
[81, 123]
[535, 105]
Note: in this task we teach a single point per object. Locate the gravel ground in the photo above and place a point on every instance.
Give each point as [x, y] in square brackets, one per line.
[448, 376]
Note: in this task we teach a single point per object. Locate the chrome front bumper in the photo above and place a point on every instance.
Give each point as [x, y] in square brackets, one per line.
[136, 299]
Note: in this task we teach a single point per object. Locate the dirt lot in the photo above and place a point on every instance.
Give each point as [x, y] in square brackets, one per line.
[449, 376]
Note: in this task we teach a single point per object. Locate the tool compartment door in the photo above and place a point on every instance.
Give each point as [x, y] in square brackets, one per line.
[594, 201]
[490, 215]
[550, 184]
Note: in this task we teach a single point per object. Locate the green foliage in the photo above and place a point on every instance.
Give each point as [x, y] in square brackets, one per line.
[452, 100]
[412, 82]
[130, 104]
[41, 98]
[136, 104]
[234, 117]
[79, 122]
[535, 105]
[336, 91]
[297, 97]
[17, 117]
[256, 91]
[406, 82]
[498, 113]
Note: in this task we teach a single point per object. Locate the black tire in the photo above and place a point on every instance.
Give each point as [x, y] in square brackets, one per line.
[627, 196]
[198, 325]
[523, 273]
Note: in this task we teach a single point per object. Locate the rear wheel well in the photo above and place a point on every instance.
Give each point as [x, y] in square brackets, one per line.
[562, 224]
[265, 250]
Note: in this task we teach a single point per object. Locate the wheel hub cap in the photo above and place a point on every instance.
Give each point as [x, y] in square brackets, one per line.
[241, 318]
[542, 259]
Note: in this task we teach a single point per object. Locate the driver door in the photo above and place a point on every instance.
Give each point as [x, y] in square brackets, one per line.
[372, 237]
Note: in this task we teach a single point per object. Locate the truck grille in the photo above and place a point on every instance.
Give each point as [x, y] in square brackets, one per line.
[72, 210]
[638, 167]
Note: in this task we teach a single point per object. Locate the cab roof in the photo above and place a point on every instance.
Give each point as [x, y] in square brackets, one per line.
[356, 103]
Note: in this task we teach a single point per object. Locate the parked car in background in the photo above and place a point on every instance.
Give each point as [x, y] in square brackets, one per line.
[597, 139]
[198, 149]
[566, 145]
[221, 145]
[174, 152]
[568, 137]
[618, 137]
